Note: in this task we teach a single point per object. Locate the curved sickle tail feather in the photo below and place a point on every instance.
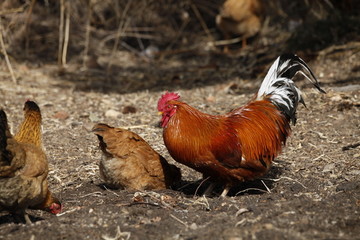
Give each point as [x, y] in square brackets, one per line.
[279, 88]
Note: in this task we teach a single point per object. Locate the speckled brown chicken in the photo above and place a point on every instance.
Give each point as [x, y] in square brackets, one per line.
[129, 162]
[240, 18]
[24, 167]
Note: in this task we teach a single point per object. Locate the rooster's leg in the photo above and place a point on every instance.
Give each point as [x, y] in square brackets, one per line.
[209, 189]
[27, 219]
[225, 191]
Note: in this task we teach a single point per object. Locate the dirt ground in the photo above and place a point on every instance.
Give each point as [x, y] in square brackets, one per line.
[311, 192]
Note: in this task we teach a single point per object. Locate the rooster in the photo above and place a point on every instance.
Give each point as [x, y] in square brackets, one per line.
[239, 145]
[24, 167]
[129, 162]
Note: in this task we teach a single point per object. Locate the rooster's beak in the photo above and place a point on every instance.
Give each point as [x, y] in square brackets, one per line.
[160, 113]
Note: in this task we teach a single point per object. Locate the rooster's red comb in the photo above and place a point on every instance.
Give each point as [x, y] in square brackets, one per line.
[167, 96]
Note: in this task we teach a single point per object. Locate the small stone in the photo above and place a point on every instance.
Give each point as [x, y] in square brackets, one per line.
[62, 115]
[193, 226]
[112, 113]
[329, 167]
[336, 98]
[93, 117]
[211, 99]
[129, 109]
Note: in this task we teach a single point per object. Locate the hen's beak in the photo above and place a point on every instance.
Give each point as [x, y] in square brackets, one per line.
[160, 113]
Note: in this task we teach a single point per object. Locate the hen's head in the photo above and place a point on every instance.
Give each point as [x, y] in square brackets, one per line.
[55, 208]
[31, 105]
[166, 109]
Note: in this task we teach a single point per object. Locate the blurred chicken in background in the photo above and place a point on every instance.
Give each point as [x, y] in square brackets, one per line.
[240, 18]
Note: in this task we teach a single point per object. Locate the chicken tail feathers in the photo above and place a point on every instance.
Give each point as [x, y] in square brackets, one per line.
[3, 137]
[3, 124]
[279, 87]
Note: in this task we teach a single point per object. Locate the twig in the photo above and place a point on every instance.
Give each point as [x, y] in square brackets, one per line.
[288, 178]
[90, 194]
[111, 191]
[6, 55]
[28, 18]
[317, 158]
[201, 20]
[13, 10]
[144, 203]
[348, 46]
[67, 35]
[251, 189]
[112, 36]
[227, 42]
[61, 31]
[69, 211]
[241, 211]
[122, 25]
[201, 183]
[177, 219]
[268, 189]
[240, 222]
[87, 32]
[321, 135]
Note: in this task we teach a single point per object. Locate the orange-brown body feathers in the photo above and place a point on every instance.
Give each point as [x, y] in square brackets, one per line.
[130, 162]
[241, 144]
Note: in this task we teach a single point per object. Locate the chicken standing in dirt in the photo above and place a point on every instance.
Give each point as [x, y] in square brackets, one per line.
[24, 167]
[241, 144]
[240, 18]
[129, 161]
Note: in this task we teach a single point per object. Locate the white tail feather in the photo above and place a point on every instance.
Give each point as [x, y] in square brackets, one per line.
[279, 87]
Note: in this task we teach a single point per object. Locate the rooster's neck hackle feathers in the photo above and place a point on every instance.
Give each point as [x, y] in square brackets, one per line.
[279, 88]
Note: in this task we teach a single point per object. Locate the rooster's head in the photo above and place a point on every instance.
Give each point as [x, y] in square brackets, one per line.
[165, 108]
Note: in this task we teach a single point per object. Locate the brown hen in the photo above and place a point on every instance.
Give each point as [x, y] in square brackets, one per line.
[129, 162]
[24, 167]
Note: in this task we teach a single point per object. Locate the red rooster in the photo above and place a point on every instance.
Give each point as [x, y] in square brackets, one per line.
[239, 145]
